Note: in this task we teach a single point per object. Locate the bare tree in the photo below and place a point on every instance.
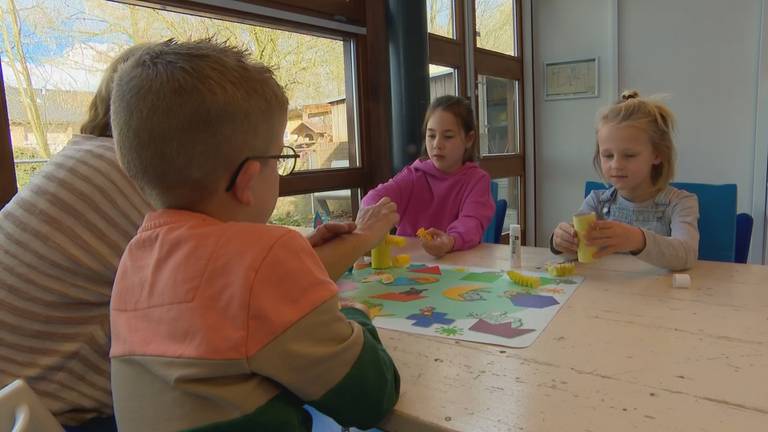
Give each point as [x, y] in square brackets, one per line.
[17, 60]
[440, 17]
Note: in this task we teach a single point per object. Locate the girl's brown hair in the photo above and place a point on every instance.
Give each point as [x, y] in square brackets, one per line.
[461, 109]
[652, 116]
[98, 122]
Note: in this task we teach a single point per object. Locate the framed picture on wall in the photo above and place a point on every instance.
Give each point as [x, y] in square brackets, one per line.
[571, 79]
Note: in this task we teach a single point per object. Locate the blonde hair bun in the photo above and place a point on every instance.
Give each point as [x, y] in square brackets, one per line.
[629, 94]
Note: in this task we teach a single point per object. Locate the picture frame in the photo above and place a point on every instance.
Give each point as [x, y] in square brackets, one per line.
[572, 79]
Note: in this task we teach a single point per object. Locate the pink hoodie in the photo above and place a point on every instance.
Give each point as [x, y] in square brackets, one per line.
[459, 204]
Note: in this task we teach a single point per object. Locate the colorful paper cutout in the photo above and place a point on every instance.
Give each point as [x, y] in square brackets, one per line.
[427, 270]
[504, 330]
[402, 281]
[487, 277]
[533, 300]
[399, 297]
[464, 293]
[423, 280]
[413, 291]
[376, 309]
[427, 317]
[552, 290]
[450, 331]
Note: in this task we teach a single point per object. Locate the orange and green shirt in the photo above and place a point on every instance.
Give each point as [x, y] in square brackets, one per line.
[233, 326]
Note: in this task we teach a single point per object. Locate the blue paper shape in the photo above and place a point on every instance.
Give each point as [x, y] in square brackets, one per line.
[533, 301]
[421, 320]
[401, 281]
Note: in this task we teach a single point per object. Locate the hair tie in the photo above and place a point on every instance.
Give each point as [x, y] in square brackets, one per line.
[629, 94]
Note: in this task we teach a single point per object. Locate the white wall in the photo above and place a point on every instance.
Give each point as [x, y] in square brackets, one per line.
[704, 53]
[564, 133]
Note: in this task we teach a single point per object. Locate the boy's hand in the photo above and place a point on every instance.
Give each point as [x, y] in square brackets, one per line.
[440, 244]
[377, 220]
[565, 238]
[611, 237]
[329, 231]
[343, 303]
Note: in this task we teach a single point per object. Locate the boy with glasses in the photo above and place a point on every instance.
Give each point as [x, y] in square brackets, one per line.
[220, 321]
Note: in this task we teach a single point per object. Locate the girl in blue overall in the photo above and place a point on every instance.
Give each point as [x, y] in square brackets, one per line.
[640, 213]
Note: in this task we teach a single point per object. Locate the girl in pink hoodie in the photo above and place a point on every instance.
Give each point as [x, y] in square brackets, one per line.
[444, 190]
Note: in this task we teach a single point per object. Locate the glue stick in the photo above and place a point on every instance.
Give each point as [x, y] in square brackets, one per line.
[515, 253]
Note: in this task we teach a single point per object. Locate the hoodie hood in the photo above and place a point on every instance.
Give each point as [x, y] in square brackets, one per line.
[428, 167]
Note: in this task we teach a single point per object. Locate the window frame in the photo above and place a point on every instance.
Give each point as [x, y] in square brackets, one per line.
[454, 53]
[7, 167]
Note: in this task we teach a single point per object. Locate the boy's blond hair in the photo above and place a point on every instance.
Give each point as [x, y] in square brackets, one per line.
[656, 119]
[98, 121]
[185, 114]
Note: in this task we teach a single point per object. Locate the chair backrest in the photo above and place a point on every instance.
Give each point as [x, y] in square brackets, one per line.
[488, 235]
[717, 217]
[22, 411]
[744, 224]
[501, 213]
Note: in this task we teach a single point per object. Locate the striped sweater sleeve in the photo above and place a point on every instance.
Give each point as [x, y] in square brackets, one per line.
[61, 238]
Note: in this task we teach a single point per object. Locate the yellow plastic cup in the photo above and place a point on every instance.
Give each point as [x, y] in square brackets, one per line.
[582, 223]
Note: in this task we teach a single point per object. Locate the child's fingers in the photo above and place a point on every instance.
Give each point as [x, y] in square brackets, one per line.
[601, 242]
[566, 246]
[605, 251]
[601, 231]
[433, 249]
[563, 239]
[568, 229]
[434, 232]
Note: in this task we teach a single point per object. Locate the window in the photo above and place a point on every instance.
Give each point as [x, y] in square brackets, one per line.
[51, 68]
[498, 115]
[301, 210]
[486, 61]
[496, 25]
[442, 81]
[440, 18]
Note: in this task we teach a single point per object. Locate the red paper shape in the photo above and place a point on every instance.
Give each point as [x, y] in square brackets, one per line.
[399, 297]
[428, 270]
[504, 329]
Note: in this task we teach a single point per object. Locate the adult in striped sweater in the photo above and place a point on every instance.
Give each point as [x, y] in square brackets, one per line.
[220, 321]
[61, 239]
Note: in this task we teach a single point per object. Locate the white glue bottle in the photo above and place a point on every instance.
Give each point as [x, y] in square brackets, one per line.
[515, 251]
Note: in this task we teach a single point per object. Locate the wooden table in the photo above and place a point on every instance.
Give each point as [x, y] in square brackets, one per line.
[626, 352]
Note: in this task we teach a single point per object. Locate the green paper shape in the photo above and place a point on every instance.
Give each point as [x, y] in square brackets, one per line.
[487, 277]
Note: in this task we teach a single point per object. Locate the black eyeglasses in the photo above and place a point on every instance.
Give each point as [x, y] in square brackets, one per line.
[286, 163]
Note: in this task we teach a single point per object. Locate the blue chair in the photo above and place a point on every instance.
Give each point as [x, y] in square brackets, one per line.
[492, 234]
[744, 224]
[498, 219]
[717, 217]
